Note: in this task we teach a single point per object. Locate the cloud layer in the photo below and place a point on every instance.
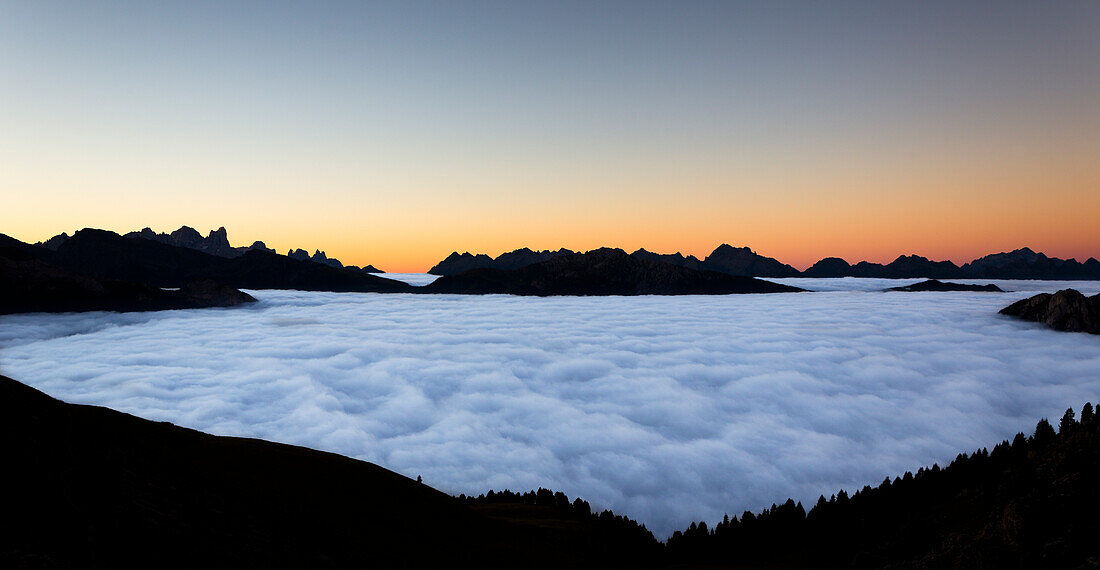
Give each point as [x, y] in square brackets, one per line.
[667, 409]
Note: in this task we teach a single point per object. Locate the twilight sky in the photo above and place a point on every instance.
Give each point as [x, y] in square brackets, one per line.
[393, 133]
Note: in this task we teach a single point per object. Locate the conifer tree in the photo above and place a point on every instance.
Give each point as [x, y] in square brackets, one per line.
[1067, 423]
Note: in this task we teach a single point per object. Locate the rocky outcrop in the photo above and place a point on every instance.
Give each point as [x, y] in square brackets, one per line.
[1067, 310]
[55, 242]
[216, 243]
[298, 254]
[320, 257]
[601, 272]
[937, 285]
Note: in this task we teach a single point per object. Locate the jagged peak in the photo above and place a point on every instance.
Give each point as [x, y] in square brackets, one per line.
[727, 247]
[607, 250]
[186, 230]
[910, 257]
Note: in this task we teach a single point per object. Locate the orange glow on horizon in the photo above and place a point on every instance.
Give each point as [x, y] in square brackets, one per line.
[941, 200]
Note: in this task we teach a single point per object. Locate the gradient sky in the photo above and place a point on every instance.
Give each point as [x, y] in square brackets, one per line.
[393, 133]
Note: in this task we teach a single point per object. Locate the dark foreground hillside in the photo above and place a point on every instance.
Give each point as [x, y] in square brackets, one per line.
[1033, 502]
[88, 487]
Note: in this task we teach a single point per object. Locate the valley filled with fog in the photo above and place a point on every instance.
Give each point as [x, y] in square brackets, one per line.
[665, 409]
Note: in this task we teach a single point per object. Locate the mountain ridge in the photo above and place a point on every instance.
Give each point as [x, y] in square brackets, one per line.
[604, 271]
[1022, 263]
[215, 243]
[106, 255]
[31, 282]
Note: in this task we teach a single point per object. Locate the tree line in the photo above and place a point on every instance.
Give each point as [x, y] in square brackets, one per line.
[1029, 502]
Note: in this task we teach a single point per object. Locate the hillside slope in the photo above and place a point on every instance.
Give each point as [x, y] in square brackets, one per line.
[89, 487]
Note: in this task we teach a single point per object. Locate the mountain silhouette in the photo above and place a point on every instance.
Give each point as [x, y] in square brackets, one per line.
[746, 262]
[458, 263]
[601, 272]
[216, 243]
[29, 283]
[691, 262]
[1019, 264]
[107, 255]
[1026, 264]
[829, 267]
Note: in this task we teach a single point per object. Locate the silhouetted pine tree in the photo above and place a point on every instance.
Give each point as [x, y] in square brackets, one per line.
[1027, 503]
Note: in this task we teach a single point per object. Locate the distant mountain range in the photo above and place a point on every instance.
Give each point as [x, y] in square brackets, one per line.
[96, 270]
[1019, 264]
[101, 270]
[31, 283]
[1022, 263]
[216, 243]
[600, 272]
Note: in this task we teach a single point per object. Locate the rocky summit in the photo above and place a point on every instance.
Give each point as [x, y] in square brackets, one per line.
[216, 243]
[1067, 310]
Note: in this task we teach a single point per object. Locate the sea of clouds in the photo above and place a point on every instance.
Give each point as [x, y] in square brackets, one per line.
[666, 409]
